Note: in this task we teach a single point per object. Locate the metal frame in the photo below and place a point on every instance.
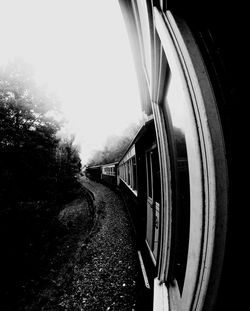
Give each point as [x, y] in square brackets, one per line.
[208, 206]
[208, 186]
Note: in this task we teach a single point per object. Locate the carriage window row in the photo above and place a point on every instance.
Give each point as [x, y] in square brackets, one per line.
[108, 170]
[127, 172]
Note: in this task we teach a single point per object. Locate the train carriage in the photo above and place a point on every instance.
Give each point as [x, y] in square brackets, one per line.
[184, 57]
[109, 173]
[94, 172]
[133, 178]
[177, 171]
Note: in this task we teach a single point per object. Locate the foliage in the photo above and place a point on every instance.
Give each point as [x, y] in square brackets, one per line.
[116, 146]
[37, 174]
[31, 153]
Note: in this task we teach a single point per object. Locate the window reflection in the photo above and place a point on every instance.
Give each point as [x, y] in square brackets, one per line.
[156, 176]
[145, 35]
[178, 118]
[149, 182]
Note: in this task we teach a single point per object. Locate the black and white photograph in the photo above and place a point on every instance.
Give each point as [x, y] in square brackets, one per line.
[118, 187]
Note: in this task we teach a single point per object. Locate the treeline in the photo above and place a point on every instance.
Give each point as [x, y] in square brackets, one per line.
[112, 151]
[116, 146]
[35, 164]
[38, 174]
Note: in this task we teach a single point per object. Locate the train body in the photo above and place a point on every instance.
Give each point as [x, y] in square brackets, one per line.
[137, 177]
[94, 172]
[109, 173]
[178, 172]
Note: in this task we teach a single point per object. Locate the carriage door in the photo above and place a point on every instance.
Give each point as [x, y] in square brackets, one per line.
[153, 200]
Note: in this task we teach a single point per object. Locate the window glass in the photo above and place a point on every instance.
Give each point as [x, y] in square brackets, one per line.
[134, 173]
[177, 112]
[126, 166]
[149, 178]
[156, 176]
[145, 31]
[129, 173]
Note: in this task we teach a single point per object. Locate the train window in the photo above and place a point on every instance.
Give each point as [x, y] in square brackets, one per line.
[153, 201]
[134, 173]
[191, 167]
[189, 111]
[180, 119]
[149, 175]
[180, 128]
[129, 173]
[125, 172]
[145, 39]
[156, 176]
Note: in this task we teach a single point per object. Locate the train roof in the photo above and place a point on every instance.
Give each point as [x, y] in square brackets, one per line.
[138, 135]
[108, 164]
[93, 166]
[102, 165]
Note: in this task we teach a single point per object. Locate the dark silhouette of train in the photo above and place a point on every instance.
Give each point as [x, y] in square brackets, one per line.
[177, 172]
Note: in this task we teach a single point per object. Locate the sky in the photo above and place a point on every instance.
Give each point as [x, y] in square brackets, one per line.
[80, 49]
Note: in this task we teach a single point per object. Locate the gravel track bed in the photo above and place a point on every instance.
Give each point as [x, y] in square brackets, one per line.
[93, 264]
[107, 266]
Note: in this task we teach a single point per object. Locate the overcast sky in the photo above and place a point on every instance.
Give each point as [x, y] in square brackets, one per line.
[81, 50]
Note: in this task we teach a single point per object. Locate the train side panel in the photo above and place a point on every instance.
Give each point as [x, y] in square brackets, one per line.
[109, 174]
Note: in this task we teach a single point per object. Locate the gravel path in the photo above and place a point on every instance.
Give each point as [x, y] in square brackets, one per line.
[91, 262]
[106, 267]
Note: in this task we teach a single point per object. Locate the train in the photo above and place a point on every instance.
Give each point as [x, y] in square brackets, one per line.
[178, 173]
